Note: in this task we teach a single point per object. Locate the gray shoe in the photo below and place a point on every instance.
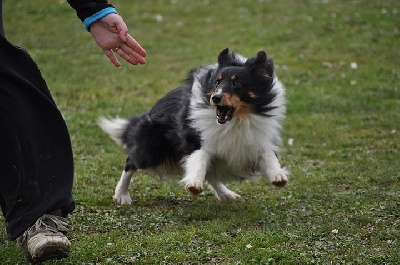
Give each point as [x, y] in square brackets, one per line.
[46, 240]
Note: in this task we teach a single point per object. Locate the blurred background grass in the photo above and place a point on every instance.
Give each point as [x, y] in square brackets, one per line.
[339, 61]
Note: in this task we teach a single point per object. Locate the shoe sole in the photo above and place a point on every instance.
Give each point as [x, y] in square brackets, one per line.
[48, 248]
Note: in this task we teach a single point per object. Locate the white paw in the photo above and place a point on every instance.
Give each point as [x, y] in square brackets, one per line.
[227, 196]
[122, 198]
[279, 178]
[194, 187]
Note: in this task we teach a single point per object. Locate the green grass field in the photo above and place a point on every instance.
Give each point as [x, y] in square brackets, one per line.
[340, 63]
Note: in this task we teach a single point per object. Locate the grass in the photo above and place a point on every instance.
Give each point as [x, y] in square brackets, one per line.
[342, 204]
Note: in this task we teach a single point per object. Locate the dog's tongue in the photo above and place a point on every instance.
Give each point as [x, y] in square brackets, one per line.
[224, 114]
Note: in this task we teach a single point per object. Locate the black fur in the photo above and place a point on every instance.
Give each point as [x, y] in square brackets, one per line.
[163, 134]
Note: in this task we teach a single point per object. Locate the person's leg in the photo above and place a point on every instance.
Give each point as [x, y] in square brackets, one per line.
[1, 19]
[37, 166]
[36, 163]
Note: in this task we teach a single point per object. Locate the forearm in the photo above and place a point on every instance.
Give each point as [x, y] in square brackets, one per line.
[86, 8]
[88, 11]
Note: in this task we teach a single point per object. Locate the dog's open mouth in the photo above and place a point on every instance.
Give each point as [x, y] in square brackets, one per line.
[224, 114]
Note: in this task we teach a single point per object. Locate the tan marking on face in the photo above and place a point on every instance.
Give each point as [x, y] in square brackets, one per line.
[242, 109]
[219, 77]
[209, 94]
[252, 95]
[233, 78]
[210, 100]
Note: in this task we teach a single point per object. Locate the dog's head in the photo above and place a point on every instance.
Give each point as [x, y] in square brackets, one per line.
[241, 88]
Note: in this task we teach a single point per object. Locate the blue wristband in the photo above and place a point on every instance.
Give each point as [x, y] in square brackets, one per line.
[96, 16]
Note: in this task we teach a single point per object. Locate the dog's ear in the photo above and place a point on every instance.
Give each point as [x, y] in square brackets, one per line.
[262, 63]
[224, 58]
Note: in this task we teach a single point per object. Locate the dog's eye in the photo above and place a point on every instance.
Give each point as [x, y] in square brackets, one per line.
[217, 82]
[236, 83]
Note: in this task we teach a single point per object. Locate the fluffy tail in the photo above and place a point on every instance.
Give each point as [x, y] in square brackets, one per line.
[115, 128]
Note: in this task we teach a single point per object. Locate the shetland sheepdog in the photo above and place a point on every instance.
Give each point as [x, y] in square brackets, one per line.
[222, 124]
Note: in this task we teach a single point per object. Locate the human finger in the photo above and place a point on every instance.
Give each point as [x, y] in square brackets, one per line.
[133, 44]
[126, 50]
[110, 54]
[122, 52]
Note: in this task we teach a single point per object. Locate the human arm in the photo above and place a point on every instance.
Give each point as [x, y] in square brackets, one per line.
[109, 30]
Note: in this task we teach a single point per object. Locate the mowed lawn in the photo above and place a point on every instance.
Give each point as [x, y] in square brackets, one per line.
[340, 63]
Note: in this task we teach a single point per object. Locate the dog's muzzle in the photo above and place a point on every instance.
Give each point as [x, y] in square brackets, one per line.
[224, 113]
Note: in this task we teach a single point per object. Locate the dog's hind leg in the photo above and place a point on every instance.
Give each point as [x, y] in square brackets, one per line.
[121, 195]
[196, 166]
[222, 192]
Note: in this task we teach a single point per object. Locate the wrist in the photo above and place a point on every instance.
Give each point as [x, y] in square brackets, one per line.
[96, 16]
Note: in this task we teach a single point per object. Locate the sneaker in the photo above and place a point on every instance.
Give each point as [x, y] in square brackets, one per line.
[46, 240]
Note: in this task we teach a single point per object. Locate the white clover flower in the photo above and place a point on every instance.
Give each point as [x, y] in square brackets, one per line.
[159, 18]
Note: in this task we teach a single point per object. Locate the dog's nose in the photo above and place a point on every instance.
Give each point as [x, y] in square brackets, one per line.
[216, 98]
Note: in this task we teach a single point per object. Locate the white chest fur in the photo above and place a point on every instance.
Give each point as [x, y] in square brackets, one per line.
[239, 143]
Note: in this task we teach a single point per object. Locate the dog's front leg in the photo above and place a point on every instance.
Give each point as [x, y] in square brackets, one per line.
[196, 166]
[275, 173]
[121, 195]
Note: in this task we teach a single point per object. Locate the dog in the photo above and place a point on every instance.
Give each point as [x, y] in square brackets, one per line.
[222, 124]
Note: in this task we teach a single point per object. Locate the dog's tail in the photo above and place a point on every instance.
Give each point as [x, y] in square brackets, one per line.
[116, 128]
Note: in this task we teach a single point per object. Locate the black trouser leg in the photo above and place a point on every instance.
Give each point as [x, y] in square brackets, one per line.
[1, 19]
[36, 163]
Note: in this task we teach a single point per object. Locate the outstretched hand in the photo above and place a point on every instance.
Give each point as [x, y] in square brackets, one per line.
[111, 34]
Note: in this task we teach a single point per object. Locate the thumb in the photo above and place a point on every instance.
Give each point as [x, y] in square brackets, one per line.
[122, 34]
[122, 29]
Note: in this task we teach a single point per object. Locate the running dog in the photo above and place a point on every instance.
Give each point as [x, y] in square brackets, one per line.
[222, 124]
